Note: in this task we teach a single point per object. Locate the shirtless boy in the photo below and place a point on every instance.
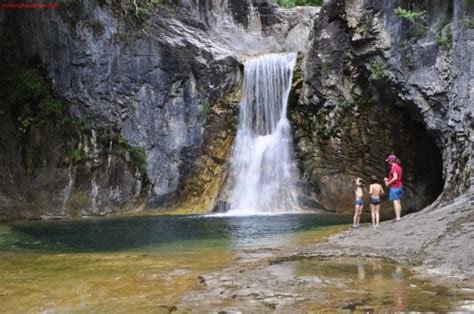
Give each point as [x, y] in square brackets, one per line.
[375, 191]
[359, 204]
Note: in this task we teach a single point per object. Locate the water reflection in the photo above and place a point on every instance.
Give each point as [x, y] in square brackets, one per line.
[395, 274]
[381, 280]
[401, 289]
[360, 272]
[156, 233]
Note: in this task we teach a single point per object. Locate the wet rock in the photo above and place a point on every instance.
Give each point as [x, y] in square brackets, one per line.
[352, 305]
[221, 207]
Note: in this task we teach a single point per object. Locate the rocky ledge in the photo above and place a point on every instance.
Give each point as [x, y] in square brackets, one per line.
[438, 241]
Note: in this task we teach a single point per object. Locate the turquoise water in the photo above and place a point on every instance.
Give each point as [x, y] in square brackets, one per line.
[158, 233]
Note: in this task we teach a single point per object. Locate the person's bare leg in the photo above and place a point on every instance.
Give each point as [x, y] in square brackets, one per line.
[398, 208]
[372, 211]
[354, 220]
[359, 213]
[377, 214]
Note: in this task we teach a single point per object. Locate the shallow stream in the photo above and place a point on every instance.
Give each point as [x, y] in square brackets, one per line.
[157, 264]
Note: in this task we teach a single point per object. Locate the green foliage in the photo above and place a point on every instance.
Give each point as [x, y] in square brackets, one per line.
[320, 125]
[294, 3]
[413, 16]
[137, 154]
[50, 107]
[142, 11]
[417, 31]
[468, 22]
[377, 70]
[367, 20]
[445, 41]
[204, 109]
[418, 28]
[25, 122]
[29, 84]
[465, 157]
[444, 37]
[140, 8]
[77, 155]
[37, 113]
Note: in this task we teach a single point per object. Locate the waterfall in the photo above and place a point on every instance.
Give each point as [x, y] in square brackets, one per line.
[262, 176]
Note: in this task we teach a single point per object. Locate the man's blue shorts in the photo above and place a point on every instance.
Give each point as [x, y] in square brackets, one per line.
[395, 194]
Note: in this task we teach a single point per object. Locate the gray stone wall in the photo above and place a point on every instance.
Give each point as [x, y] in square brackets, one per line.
[364, 60]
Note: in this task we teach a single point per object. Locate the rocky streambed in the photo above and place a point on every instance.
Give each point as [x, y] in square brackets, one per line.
[321, 277]
[214, 264]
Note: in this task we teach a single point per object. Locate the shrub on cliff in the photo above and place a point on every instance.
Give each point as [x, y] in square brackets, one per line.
[294, 3]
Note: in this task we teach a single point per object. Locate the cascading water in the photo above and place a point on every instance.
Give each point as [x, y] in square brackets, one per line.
[262, 173]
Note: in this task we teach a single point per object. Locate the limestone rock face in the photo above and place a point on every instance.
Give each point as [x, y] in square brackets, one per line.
[375, 84]
[149, 79]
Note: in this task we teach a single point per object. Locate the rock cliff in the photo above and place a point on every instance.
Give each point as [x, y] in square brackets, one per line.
[139, 82]
[377, 83]
[108, 107]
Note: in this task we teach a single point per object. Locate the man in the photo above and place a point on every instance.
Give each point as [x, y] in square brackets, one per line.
[394, 183]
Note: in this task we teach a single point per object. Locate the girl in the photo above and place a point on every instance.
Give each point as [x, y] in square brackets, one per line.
[375, 191]
[359, 204]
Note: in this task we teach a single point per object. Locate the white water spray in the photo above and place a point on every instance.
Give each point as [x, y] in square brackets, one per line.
[263, 174]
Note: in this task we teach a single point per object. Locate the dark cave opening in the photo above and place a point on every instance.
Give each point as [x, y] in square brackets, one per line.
[421, 159]
[380, 128]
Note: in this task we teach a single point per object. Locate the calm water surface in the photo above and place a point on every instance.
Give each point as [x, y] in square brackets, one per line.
[159, 233]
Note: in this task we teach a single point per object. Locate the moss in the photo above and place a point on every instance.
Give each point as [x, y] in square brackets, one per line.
[77, 155]
[294, 3]
[28, 85]
[445, 38]
[142, 11]
[137, 154]
[367, 20]
[465, 157]
[417, 31]
[36, 111]
[377, 70]
[50, 107]
[319, 124]
[205, 107]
